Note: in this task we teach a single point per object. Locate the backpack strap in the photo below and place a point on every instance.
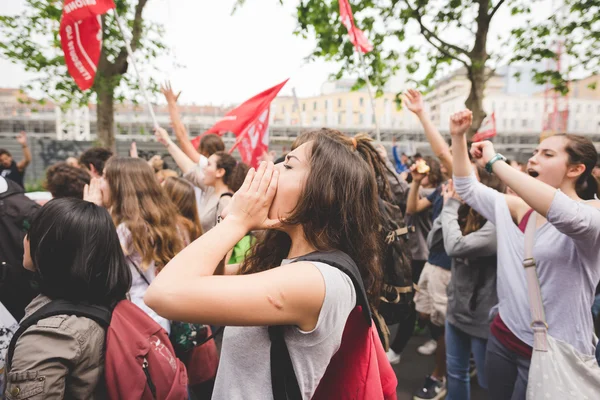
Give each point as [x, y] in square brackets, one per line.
[218, 214]
[98, 314]
[283, 377]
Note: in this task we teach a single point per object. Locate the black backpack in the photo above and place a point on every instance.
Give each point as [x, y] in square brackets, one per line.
[398, 291]
[16, 283]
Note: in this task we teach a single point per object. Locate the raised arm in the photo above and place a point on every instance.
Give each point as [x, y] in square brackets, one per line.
[22, 139]
[180, 131]
[414, 102]
[287, 295]
[480, 197]
[414, 203]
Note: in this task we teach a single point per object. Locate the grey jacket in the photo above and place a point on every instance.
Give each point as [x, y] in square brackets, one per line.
[61, 357]
[472, 288]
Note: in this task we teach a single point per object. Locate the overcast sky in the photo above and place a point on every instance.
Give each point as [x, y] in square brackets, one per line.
[230, 58]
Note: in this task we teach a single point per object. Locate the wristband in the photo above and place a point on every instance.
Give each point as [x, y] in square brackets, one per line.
[497, 157]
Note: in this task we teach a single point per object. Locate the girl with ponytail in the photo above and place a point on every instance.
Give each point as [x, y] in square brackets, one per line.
[559, 187]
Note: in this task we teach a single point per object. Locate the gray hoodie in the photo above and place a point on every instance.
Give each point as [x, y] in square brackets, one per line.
[472, 288]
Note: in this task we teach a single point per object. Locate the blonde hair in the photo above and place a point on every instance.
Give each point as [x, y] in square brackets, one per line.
[181, 192]
[138, 201]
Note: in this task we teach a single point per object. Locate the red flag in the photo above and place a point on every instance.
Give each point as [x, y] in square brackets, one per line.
[81, 38]
[79, 10]
[249, 122]
[357, 37]
[487, 129]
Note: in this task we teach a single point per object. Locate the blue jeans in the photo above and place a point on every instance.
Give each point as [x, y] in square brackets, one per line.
[459, 346]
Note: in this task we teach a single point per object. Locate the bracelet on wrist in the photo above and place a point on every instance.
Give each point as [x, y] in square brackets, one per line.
[489, 164]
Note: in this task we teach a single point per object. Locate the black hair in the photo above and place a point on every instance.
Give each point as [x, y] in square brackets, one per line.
[235, 172]
[77, 255]
[4, 151]
[417, 155]
[97, 156]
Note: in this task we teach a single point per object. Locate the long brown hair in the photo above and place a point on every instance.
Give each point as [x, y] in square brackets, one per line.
[138, 201]
[470, 220]
[581, 150]
[337, 209]
[181, 192]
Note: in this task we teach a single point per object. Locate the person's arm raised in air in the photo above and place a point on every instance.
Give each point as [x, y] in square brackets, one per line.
[414, 102]
[480, 197]
[22, 139]
[180, 131]
[186, 289]
[415, 204]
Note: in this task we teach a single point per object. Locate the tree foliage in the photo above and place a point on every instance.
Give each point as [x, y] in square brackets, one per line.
[451, 34]
[32, 39]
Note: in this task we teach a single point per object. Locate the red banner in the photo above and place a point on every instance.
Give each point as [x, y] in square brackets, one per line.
[357, 37]
[249, 122]
[487, 129]
[81, 38]
[78, 10]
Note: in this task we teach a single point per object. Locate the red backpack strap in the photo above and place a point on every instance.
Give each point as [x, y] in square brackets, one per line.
[283, 377]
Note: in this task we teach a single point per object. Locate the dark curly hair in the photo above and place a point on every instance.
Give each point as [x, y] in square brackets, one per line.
[64, 180]
[97, 156]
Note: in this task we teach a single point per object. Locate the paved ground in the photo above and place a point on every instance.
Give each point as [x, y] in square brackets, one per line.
[414, 367]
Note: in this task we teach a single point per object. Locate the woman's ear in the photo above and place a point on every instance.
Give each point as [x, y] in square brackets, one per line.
[220, 173]
[575, 171]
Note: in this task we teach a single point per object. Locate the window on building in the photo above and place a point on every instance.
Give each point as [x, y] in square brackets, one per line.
[361, 101]
[535, 106]
[512, 123]
[373, 120]
[385, 102]
[303, 106]
[515, 106]
[315, 106]
[504, 106]
[578, 108]
[524, 123]
[525, 106]
[360, 118]
[339, 118]
[589, 108]
[326, 104]
[576, 125]
[598, 110]
[504, 123]
[339, 102]
[283, 109]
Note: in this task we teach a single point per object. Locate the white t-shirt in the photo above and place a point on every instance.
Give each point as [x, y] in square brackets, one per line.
[245, 365]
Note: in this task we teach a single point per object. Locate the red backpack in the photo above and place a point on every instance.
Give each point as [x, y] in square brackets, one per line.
[359, 370]
[140, 362]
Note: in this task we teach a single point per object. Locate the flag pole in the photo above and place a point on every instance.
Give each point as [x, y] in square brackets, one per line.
[137, 73]
[369, 90]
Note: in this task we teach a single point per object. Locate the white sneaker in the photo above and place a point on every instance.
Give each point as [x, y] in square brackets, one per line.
[428, 348]
[393, 357]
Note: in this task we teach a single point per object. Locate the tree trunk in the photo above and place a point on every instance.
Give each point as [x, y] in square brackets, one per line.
[476, 72]
[475, 100]
[105, 117]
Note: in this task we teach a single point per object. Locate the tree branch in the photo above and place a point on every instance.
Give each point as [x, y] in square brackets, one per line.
[500, 2]
[136, 33]
[442, 46]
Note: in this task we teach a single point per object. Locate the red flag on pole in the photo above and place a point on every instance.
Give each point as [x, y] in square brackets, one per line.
[357, 37]
[487, 129]
[81, 38]
[249, 122]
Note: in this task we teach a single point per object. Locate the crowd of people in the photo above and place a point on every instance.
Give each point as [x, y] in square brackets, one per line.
[334, 230]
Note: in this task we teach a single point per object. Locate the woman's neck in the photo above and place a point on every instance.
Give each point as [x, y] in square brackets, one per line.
[300, 245]
[568, 189]
[220, 188]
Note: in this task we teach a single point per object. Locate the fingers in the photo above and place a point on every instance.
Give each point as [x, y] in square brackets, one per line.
[248, 181]
[272, 189]
[258, 177]
[266, 178]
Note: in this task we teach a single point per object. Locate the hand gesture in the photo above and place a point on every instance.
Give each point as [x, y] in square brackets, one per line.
[162, 137]
[483, 152]
[251, 203]
[449, 192]
[167, 91]
[22, 138]
[417, 177]
[460, 122]
[133, 153]
[381, 150]
[414, 101]
[93, 192]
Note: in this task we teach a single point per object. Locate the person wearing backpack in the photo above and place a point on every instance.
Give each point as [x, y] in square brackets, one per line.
[150, 228]
[322, 202]
[471, 242]
[17, 288]
[74, 251]
[558, 194]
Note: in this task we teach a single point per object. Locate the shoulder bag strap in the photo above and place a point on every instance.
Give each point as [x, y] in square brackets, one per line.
[218, 214]
[138, 270]
[99, 314]
[538, 324]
